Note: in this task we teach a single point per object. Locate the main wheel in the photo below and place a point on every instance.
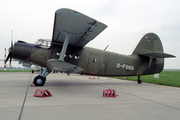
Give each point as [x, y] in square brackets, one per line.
[139, 81]
[39, 80]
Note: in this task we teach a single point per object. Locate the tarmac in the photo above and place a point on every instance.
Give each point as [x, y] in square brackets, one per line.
[76, 97]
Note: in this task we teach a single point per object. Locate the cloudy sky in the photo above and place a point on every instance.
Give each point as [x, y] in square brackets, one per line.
[127, 20]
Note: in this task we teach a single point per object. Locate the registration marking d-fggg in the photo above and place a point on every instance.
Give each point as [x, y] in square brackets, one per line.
[124, 66]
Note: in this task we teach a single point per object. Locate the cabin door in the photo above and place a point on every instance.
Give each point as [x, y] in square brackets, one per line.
[93, 64]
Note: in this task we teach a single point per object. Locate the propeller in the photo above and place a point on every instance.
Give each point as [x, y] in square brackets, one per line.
[10, 52]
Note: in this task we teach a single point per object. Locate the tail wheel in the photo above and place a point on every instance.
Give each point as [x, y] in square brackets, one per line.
[39, 80]
[139, 81]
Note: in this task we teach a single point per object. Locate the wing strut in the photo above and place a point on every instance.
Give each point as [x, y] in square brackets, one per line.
[66, 42]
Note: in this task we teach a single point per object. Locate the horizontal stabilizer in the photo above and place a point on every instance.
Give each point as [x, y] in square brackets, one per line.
[157, 54]
[62, 66]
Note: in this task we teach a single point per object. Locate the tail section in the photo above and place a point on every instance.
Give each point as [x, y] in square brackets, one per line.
[149, 43]
[151, 51]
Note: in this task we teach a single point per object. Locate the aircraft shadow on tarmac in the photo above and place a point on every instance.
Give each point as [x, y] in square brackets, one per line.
[66, 83]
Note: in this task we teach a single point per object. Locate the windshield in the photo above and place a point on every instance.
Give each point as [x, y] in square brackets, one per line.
[43, 43]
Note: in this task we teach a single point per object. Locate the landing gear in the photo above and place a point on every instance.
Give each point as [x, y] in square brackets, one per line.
[139, 80]
[41, 79]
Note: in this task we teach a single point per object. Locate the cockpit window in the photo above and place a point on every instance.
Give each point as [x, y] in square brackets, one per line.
[43, 43]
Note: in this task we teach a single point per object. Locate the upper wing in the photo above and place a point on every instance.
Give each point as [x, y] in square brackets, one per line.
[83, 27]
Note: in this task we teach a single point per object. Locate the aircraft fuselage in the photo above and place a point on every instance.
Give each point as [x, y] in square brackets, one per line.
[93, 61]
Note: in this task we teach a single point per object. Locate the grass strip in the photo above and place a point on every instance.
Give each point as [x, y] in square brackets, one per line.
[15, 70]
[169, 78]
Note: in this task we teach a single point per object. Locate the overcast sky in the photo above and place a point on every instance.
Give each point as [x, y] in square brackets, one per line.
[127, 21]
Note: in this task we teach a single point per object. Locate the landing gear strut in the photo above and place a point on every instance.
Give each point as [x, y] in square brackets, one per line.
[139, 80]
[41, 79]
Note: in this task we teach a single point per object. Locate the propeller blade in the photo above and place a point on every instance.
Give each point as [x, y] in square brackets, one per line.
[10, 50]
[11, 44]
[10, 60]
[9, 56]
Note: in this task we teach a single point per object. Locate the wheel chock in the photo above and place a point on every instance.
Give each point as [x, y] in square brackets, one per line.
[42, 93]
[90, 76]
[33, 85]
[109, 93]
[93, 77]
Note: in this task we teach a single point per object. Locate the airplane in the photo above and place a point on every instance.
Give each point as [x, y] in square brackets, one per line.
[66, 51]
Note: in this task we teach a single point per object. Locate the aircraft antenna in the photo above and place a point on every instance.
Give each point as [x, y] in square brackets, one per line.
[106, 47]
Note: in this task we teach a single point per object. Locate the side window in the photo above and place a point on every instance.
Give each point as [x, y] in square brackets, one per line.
[76, 56]
[43, 43]
[70, 56]
[94, 60]
[48, 44]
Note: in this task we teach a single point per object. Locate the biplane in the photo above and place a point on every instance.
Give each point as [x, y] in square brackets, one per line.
[67, 51]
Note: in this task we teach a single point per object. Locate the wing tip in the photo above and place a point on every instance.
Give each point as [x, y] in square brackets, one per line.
[67, 10]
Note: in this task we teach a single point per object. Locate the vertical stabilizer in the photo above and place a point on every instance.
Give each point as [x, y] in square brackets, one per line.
[149, 43]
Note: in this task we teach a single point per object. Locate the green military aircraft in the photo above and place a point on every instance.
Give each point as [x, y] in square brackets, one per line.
[66, 52]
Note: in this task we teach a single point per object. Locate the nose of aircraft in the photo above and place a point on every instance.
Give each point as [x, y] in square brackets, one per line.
[21, 50]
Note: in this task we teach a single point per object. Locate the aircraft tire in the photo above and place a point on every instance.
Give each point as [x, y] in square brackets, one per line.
[39, 80]
[139, 81]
